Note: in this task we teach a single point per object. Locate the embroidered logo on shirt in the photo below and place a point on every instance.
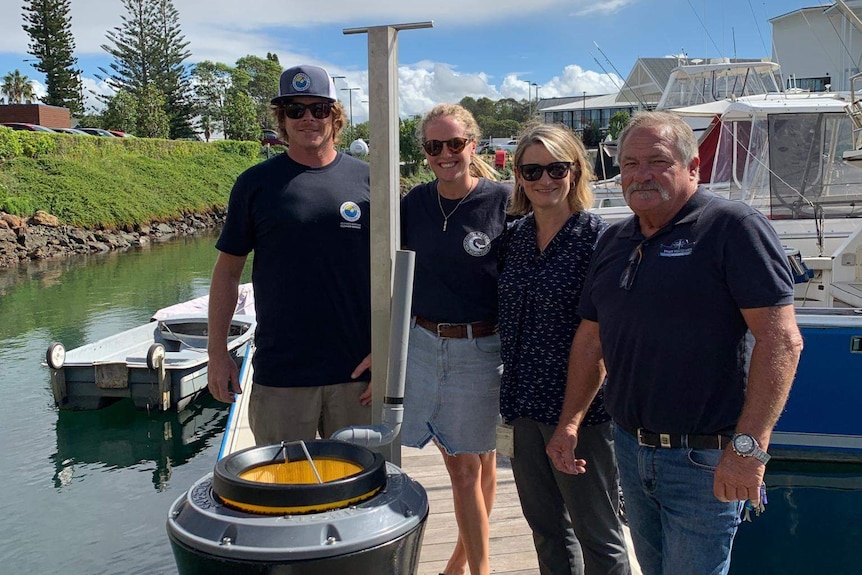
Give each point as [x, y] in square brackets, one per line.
[477, 244]
[351, 213]
[677, 248]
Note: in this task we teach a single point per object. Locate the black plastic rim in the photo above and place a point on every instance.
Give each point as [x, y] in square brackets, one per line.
[227, 484]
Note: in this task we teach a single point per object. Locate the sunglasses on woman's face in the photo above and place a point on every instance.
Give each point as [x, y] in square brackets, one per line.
[532, 172]
[435, 147]
[296, 110]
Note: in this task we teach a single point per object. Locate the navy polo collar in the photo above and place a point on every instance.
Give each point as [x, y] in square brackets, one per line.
[689, 213]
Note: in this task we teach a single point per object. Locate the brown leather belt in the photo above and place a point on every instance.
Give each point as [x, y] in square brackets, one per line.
[458, 330]
[677, 440]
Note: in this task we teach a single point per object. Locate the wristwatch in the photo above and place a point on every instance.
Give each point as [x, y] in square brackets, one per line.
[745, 445]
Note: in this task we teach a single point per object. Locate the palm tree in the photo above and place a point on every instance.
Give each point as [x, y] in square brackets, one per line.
[17, 89]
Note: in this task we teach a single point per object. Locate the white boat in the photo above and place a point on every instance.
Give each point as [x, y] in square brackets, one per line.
[160, 365]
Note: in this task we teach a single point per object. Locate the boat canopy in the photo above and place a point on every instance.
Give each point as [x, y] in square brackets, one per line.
[782, 154]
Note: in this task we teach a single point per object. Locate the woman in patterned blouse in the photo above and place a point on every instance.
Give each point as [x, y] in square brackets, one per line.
[544, 257]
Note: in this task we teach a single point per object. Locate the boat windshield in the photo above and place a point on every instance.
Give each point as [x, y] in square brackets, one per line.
[789, 166]
[693, 85]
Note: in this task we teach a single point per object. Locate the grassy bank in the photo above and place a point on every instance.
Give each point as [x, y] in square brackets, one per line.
[116, 183]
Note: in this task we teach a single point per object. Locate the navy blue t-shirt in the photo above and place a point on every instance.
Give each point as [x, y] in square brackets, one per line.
[674, 343]
[455, 278]
[309, 230]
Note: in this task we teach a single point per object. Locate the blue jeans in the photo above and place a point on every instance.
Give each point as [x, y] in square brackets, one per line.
[677, 525]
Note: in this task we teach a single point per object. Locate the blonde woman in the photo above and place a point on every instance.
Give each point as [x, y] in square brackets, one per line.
[453, 363]
[574, 518]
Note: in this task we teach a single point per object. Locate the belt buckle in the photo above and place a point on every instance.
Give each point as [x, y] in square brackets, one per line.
[442, 326]
[641, 438]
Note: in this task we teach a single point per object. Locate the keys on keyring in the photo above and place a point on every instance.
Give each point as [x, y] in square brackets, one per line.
[761, 507]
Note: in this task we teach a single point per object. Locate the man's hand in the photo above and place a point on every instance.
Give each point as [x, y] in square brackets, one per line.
[738, 478]
[364, 365]
[561, 450]
[365, 397]
[223, 377]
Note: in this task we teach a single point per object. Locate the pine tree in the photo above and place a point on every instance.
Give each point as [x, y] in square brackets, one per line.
[171, 75]
[148, 51]
[51, 42]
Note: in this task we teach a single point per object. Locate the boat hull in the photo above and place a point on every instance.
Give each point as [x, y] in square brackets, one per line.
[821, 419]
[96, 375]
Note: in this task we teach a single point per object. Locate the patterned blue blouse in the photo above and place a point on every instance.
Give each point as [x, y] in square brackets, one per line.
[539, 293]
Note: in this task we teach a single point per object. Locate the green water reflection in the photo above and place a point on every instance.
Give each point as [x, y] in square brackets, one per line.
[88, 492]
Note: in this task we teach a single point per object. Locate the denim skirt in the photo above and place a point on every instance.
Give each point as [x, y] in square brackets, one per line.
[452, 392]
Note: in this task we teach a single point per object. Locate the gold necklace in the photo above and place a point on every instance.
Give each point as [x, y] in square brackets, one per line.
[440, 203]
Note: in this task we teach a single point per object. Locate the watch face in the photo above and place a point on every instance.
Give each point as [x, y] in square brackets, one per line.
[743, 443]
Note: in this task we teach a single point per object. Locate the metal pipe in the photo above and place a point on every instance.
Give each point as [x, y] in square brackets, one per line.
[399, 331]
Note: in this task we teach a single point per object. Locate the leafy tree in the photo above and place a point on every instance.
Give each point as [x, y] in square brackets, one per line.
[617, 122]
[592, 135]
[361, 131]
[211, 82]
[121, 113]
[410, 150]
[240, 121]
[152, 120]
[259, 78]
[51, 42]
[17, 88]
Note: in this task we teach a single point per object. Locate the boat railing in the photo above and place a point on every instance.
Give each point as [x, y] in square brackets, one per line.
[854, 110]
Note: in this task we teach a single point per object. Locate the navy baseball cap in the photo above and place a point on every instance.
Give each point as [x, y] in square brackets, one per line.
[305, 80]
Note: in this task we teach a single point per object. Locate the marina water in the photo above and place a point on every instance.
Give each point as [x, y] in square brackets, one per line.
[88, 492]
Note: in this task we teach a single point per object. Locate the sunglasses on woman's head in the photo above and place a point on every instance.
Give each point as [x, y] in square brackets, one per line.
[532, 172]
[296, 110]
[435, 147]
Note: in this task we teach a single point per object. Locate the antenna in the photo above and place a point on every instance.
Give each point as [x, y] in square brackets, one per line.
[639, 99]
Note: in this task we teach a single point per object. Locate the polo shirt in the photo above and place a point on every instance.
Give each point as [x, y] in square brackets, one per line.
[674, 342]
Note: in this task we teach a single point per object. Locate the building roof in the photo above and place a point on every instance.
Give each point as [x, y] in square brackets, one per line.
[591, 103]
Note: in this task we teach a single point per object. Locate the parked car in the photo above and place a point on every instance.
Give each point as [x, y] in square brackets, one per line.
[98, 132]
[508, 146]
[26, 127]
[73, 131]
[121, 134]
[270, 138]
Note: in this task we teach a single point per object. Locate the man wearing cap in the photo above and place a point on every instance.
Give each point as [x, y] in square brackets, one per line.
[305, 214]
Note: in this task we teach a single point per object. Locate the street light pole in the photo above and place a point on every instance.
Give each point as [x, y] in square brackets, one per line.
[536, 107]
[529, 98]
[584, 115]
[350, 91]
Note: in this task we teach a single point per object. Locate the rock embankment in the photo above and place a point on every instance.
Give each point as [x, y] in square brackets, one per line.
[42, 237]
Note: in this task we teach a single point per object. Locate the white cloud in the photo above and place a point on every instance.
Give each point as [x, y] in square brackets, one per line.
[225, 30]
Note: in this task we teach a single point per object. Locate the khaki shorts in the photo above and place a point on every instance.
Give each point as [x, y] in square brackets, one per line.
[278, 414]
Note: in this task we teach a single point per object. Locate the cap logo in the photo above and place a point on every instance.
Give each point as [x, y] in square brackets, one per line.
[301, 82]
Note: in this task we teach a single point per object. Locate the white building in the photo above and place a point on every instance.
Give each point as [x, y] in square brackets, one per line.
[818, 46]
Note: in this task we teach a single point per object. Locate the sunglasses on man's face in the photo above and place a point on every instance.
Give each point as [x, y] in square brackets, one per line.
[435, 147]
[532, 172]
[296, 110]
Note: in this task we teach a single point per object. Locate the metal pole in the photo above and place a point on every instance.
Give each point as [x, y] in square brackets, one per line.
[385, 175]
[350, 91]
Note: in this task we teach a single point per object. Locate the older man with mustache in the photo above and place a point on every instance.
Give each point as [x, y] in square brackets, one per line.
[669, 299]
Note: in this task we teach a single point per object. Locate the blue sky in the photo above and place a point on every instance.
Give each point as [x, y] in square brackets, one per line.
[495, 48]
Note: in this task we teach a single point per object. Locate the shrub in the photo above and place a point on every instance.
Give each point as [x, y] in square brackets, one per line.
[10, 145]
